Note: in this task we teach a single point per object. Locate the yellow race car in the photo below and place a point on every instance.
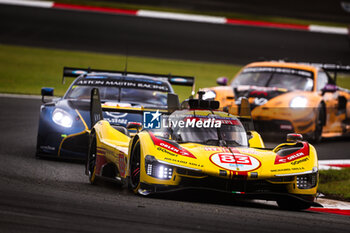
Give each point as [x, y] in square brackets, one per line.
[289, 97]
[203, 148]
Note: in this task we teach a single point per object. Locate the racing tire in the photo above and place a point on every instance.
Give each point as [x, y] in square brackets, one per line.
[319, 122]
[135, 168]
[91, 160]
[292, 204]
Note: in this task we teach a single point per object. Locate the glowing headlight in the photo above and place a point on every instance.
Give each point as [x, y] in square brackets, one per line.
[307, 181]
[62, 118]
[209, 95]
[157, 170]
[298, 102]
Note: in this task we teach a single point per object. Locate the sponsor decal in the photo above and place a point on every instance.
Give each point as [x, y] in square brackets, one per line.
[258, 93]
[47, 147]
[117, 121]
[124, 83]
[300, 161]
[116, 118]
[260, 101]
[303, 152]
[235, 161]
[175, 149]
[293, 169]
[121, 161]
[100, 159]
[232, 149]
[278, 70]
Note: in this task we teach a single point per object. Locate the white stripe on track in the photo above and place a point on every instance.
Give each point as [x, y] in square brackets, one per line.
[177, 16]
[334, 161]
[19, 96]
[40, 4]
[182, 17]
[327, 29]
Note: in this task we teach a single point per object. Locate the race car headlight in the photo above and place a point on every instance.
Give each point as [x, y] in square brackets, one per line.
[158, 170]
[307, 181]
[209, 95]
[298, 102]
[62, 118]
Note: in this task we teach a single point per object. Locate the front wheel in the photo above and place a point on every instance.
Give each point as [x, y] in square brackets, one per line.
[91, 160]
[135, 168]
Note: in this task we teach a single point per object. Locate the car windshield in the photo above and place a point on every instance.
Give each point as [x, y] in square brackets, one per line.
[228, 135]
[290, 79]
[208, 130]
[129, 95]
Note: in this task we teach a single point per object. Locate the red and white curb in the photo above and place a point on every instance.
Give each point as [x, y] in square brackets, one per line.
[332, 206]
[180, 16]
[333, 164]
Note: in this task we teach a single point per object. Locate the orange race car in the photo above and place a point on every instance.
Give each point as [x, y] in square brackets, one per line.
[289, 97]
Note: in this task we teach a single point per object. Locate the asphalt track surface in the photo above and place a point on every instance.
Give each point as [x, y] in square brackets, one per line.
[115, 34]
[41, 195]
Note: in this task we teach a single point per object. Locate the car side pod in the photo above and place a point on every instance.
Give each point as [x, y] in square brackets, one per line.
[294, 137]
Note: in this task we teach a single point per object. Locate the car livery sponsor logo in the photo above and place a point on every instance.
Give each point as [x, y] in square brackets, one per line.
[47, 147]
[235, 161]
[165, 145]
[232, 149]
[121, 161]
[303, 152]
[124, 84]
[258, 93]
[300, 161]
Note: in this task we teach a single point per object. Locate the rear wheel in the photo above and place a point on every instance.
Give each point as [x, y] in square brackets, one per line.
[135, 168]
[91, 160]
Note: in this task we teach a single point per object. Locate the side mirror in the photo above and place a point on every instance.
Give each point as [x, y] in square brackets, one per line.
[46, 91]
[134, 125]
[222, 81]
[173, 102]
[331, 88]
[294, 137]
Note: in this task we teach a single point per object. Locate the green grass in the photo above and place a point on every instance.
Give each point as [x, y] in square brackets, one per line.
[25, 69]
[343, 80]
[335, 183]
[235, 15]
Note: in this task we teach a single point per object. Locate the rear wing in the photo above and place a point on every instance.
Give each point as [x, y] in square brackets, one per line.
[72, 72]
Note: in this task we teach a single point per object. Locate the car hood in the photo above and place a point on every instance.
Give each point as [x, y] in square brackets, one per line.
[82, 108]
